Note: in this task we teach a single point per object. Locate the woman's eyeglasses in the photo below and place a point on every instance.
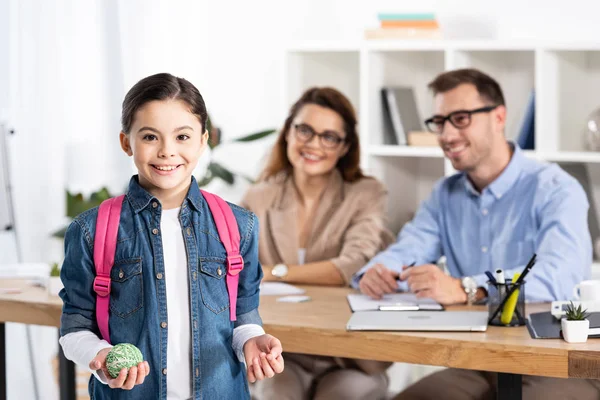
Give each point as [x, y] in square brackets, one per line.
[459, 119]
[329, 140]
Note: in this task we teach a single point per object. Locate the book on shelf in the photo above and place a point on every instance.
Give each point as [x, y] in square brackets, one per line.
[422, 139]
[400, 114]
[405, 16]
[526, 138]
[402, 33]
[405, 26]
[409, 24]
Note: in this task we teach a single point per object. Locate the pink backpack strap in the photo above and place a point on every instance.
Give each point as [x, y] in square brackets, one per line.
[230, 236]
[105, 244]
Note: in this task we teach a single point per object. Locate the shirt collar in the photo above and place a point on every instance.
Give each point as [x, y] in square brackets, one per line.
[507, 178]
[140, 198]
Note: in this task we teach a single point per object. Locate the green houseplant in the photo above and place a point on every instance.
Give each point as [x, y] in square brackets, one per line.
[575, 325]
[54, 284]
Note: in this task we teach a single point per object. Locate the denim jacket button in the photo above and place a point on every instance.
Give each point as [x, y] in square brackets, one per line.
[194, 275]
[154, 204]
[164, 371]
[163, 324]
[155, 231]
[219, 272]
[189, 231]
[121, 274]
[159, 276]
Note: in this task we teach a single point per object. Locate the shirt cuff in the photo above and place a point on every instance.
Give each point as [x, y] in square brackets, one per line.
[81, 347]
[241, 335]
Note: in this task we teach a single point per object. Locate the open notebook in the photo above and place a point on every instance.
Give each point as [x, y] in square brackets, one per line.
[392, 302]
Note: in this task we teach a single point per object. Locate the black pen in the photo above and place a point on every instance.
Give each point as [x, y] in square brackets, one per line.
[408, 266]
[514, 286]
[491, 277]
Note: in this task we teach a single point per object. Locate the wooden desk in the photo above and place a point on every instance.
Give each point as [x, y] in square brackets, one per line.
[319, 327]
[33, 306]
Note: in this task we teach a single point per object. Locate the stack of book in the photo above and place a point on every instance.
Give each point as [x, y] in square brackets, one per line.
[405, 26]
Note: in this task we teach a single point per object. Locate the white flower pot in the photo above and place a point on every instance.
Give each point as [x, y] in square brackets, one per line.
[575, 331]
[54, 285]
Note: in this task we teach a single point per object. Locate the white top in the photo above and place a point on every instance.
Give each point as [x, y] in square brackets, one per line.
[81, 347]
[301, 256]
[179, 338]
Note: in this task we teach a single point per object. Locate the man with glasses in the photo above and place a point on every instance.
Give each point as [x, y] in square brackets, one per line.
[496, 212]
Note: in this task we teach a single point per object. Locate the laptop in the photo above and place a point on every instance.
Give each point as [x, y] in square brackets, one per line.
[467, 321]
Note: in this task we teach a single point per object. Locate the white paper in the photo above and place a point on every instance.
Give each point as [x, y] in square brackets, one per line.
[279, 289]
[362, 302]
[293, 299]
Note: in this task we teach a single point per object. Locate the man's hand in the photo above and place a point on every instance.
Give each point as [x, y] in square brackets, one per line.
[378, 281]
[430, 281]
[263, 357]
[127, 378]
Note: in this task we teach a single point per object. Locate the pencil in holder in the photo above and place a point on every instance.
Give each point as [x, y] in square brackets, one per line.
[513, 310]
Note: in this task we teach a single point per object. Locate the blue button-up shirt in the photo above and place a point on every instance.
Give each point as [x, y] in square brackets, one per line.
[532, 207]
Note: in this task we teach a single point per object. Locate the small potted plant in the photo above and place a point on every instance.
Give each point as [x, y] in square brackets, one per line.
[54, 283]
[575, 326]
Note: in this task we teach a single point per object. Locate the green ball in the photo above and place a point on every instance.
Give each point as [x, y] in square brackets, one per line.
[122, 355]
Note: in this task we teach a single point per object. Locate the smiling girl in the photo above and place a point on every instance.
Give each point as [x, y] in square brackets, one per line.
[168, 294]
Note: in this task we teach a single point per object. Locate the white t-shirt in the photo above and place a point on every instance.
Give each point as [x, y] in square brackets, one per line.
[81, 347]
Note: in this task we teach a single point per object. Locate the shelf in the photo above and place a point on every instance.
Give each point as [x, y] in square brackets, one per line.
[570, 156]
[329, 46]
[405, 151]
[404, 45]
[440, 44]
[387, 150]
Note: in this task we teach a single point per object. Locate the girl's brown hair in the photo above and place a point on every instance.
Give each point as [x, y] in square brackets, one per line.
[162, 86]
[349, 164]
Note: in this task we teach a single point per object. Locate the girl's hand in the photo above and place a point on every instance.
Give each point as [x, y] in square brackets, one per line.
[263, 357]
[127, 379]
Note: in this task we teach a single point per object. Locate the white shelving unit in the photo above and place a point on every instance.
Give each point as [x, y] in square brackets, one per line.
[566, 77]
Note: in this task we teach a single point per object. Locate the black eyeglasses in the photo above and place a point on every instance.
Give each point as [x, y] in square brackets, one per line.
[328, 139]
[460, 119]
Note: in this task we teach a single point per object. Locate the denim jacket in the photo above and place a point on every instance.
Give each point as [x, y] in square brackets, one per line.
[138, 302]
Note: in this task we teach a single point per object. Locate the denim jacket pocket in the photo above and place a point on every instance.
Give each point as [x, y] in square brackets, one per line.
[213, 284]
[126, 291]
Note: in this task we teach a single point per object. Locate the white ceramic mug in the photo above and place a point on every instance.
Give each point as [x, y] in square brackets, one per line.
[587, 290]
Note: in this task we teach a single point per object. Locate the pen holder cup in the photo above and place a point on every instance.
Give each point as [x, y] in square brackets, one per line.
[513, 311]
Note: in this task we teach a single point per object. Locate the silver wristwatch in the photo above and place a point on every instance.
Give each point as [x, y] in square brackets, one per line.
[280, 271]
[470, 287]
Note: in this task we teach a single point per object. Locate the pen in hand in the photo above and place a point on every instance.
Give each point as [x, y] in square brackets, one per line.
[407, 266]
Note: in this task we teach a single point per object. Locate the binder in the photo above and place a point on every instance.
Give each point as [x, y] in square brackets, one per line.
[400, 114]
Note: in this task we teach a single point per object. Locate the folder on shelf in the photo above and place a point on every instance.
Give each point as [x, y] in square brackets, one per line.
[400, 114]
[392, 302]
[526, 139]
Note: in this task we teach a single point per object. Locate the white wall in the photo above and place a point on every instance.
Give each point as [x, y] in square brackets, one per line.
[4, 29]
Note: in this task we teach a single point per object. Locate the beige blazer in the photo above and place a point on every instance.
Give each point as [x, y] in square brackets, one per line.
[348, 229]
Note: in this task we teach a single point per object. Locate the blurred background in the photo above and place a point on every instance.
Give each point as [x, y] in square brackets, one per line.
[66, 65]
